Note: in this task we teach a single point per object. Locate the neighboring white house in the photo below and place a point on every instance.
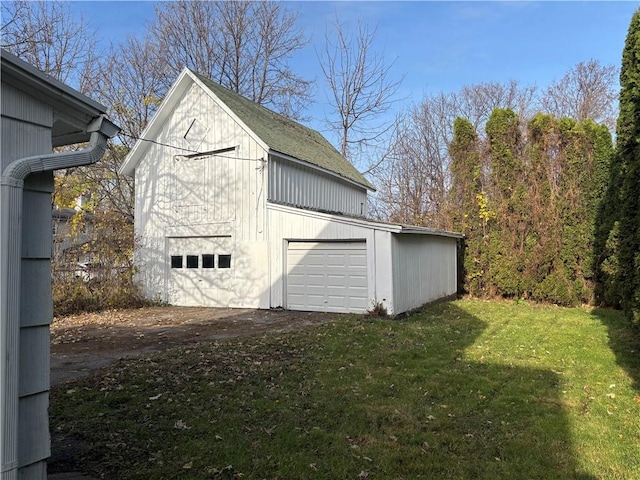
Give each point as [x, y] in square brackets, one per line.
[38, 113]
[237, 206]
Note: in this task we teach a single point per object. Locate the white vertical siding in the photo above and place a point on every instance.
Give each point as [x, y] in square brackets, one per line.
[298, 185]
[243, 285]
[210, 195]
[424, 269]
[382, 263]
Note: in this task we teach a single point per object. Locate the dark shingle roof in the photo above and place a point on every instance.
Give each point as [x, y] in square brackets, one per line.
[286, 136]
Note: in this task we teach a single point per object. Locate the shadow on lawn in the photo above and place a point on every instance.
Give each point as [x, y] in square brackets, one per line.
[624, 341]
[492, 420]
[432, 407]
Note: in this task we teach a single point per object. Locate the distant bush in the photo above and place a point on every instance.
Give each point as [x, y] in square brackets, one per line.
[73, 294]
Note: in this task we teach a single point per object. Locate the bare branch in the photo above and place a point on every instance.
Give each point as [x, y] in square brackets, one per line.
[588, 90]
[244, 46]
[360, 86]
[46, 35]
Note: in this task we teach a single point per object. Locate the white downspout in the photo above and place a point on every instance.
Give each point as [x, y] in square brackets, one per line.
[11, 187]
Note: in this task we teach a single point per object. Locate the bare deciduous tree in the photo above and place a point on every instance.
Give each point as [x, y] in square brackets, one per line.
[415, 180]
[477, 102]
[244, 46]
[360, 84]
[131, 82]
[588, 90]
[46, 35]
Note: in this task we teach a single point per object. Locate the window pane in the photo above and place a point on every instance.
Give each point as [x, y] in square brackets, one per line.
[207, 260]
[176, 261]
[192, 261]
[224, 261]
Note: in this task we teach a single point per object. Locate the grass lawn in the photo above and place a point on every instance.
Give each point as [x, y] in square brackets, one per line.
[464, 389]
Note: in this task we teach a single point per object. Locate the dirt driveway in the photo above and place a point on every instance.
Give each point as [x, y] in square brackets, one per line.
[81, 344]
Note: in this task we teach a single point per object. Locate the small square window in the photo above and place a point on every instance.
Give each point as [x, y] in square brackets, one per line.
[224, 261]
[192, 261]
[207, 260]
[176, 261]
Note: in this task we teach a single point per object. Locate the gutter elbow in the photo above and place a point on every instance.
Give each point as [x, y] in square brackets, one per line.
[101, 130]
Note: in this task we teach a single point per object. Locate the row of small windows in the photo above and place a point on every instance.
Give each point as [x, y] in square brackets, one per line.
[208, 261]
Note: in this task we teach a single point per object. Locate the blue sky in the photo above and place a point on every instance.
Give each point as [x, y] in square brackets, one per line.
[439, 46]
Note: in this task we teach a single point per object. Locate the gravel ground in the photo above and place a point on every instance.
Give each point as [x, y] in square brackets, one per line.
[81, 344]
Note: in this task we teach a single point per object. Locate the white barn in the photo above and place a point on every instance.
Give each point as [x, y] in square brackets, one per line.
[237, 206]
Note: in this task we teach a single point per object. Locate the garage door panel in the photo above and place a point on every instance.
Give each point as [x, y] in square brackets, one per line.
[357, 261]
[358, 283]
[327, 276]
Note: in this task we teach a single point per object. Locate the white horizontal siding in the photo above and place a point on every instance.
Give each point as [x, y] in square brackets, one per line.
[424, 269]
[298, 185]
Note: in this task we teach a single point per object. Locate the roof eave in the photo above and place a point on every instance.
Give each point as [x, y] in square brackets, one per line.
[319, 168]
[73, 111]
[416, 230]
[175, 93]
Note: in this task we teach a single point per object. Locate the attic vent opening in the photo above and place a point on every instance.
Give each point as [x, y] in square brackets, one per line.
[195, 134]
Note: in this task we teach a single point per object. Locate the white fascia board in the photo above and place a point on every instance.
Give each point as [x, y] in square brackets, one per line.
[175, 93]
[415, 230]
[318, 168]
[230, 112]
[361, 222]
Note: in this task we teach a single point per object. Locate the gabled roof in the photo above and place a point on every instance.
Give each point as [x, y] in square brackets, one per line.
[278, 133]
[286, 136]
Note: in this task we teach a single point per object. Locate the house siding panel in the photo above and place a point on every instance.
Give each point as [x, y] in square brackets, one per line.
[34, 339]
[26, 140]
[424, 269]
[36, 307]
[20, 105]
[30, 104]
[26, 131]
[33, 434]
[298, 185]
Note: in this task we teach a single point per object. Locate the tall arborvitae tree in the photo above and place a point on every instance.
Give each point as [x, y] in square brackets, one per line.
[507, 240]
[543, 241]
[466, 204]
[527, 205]
[586, 151]
[626, 176]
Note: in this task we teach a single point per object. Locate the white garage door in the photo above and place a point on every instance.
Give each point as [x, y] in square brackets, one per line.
[327, 277]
